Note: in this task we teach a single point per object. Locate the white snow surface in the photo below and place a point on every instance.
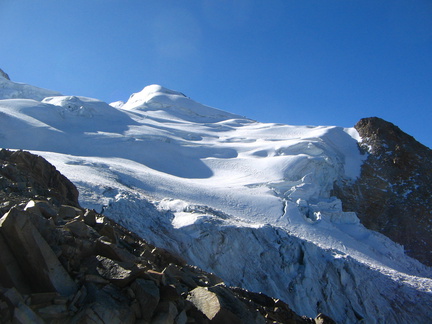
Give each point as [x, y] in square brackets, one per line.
[246, 200]
[10, 90]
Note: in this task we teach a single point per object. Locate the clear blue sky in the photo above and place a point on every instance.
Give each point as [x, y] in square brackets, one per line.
[297, 62]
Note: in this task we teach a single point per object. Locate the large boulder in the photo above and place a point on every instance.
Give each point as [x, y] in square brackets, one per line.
[34, 255]
[220, 305]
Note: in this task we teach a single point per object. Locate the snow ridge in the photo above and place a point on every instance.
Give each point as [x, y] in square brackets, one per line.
[14, 90]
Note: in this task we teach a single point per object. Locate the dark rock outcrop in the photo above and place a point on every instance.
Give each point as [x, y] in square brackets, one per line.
[23, 174]
[394, 193]
[61, 263]
[4, 74]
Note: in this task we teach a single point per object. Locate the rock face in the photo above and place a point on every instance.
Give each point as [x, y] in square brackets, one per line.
[60, 263]
[394, 193]
[23, 174]
[4, 74]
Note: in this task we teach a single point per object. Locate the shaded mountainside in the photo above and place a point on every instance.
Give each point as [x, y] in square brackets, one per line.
[394, 193]
[60, 263]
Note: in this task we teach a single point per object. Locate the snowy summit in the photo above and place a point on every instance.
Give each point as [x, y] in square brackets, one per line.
[249, 201]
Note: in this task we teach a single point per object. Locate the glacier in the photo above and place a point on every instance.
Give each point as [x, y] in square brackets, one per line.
[251, 202]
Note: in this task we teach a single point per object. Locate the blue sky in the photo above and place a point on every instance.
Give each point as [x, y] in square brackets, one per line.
[295, 62]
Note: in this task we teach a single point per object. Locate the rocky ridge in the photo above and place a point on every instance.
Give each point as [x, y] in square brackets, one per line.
[394, 192]
[61, 263]
[4, 75]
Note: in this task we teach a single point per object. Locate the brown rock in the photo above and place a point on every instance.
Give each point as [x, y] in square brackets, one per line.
[79, 229]
[113, 271]
[158, 277]
[34, 255]
[164, 258]
[112, 251]
[106, 306]
[10, 271]
[41, 208]
[108, 231]
[147, 294]
[394, 192]
[180, 274]
[31, 175]
[69, 212]
[219, 305]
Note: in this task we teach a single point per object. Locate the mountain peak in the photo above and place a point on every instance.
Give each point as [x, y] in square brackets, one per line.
[16, 90]
[139, 98]
[394, 187]
[3, 74]
[169, 104]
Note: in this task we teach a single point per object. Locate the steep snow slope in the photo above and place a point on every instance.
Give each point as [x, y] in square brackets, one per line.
[10, 89]
[247, 200]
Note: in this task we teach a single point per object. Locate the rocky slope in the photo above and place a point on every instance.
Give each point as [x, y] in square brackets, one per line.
[4, 74]
[394, 193]
[64, 264]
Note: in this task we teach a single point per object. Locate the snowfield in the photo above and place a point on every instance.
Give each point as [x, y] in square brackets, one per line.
[246, 200]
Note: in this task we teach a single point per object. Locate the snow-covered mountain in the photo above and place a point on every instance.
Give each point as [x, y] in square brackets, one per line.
[12, 90]
[249, 201]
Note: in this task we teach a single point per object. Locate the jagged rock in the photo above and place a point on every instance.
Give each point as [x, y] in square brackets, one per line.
[4, 74]
[165, 257]
[23, 315]
[112, 251]
[20, 313]
[43, 299]
[157, 277]
[108, 231]
[79, 229]
[41, 208]
[106, 305]
[274, 309]
[180, 273]
[115, 272]
[219, 304]
[166, 313]
[181, 318]
[68, 212]
[37, 259]
[147, 294]
[28, 175]
[10, 271]
[53, 311]
[323, 319]
[90, 217]
[394, 192]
